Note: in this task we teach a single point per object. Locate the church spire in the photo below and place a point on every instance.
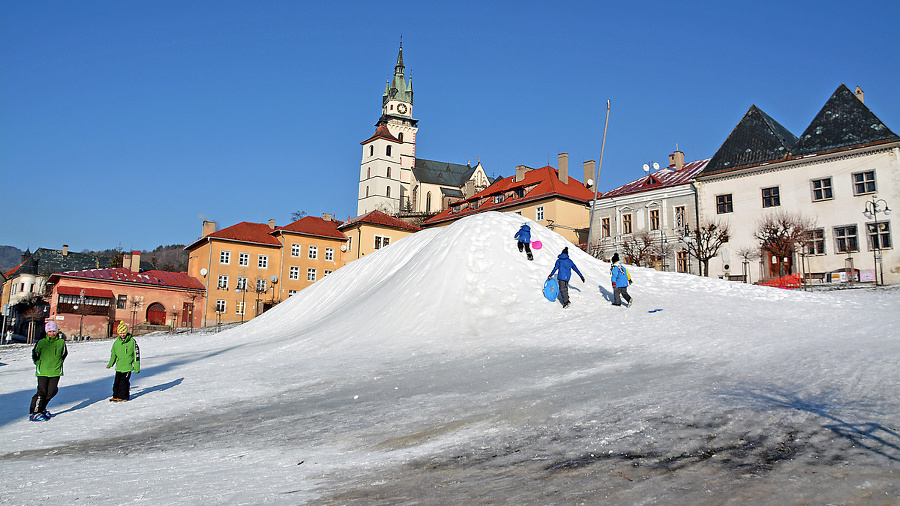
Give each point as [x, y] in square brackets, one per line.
[399, 88]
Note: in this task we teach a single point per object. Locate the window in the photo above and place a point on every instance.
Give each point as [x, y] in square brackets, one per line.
[329, 254]
[295, 250]
[400, 137]
[387, 150]
[681, 222]
[350, 244]
[381, 241]
[389, 176]
[864, 183]
[845, 240]
[388, 192]
[260, 284]
[428, 202]
[821, 189]
[654, 219]
[244, 259]
[220, 306]
[604, 227]
[121, 300]
[291, 292]
[539, 213]
[626, 223]
[263, 261]
[239, 307]
[310, 274]
[498, 198]
[723, 204]
[682, 261]
[295, 273]
[881, 238]
[770, 197]
[815, 242]
[313, 252]
[223, 282]
[241, 283]
[224, 257]
[369, 172]
[325, 273]
[371, 150]
[367, 191]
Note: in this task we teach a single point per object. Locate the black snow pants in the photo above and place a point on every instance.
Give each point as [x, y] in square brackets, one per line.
[46, 389]
[122, 386]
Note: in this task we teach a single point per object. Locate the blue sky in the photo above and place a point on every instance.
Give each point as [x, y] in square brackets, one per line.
[125, 124]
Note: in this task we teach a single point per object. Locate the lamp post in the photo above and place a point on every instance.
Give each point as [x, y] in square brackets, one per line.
[243, 290]
[685, 237]
[873, 207]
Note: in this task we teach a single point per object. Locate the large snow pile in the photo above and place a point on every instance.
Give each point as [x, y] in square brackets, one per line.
[434, 371]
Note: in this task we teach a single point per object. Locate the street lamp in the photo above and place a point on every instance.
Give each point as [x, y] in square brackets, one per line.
[686, 238]
[243, 291]
[873, 207]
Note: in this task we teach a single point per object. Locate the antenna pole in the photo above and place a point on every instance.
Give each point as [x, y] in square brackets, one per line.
[596, 183]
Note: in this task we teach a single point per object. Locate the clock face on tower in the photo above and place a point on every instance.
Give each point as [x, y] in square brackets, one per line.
[401, 108]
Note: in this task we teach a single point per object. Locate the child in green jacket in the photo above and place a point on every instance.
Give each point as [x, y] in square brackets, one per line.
[126, 356]
[48, 355]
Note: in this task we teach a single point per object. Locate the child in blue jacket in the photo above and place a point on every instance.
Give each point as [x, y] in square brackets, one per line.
[524, 238]
[564, 265]
[620, 281]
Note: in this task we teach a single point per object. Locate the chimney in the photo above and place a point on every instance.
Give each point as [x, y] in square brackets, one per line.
[859, 94]
[208, 228]
[126, 260]
[520, 172]
[564, 168]
[272, 223]
[136, 261]
[325, 216]
[65, 250]
[676, 161]
[469, 189]
[589, 167]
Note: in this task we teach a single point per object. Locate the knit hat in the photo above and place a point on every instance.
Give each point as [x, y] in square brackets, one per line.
[122, 328]
[615, 257]
[566, 250]
[51, 326]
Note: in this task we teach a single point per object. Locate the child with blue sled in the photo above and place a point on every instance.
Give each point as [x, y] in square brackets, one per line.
[564, 265]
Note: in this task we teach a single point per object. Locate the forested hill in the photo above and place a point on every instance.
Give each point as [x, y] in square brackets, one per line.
[172, 258]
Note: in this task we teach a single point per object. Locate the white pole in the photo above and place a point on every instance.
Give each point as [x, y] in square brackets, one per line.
[596, 183]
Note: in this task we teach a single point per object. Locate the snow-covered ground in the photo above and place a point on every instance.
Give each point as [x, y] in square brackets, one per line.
[434, 372]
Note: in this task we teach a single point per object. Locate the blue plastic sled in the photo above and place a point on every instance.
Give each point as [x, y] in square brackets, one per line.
[551, 289]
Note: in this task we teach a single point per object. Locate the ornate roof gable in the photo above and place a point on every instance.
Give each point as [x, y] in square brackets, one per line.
[844, 122]
[756, 139]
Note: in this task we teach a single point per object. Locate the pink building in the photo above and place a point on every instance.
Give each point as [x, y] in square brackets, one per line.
[88, 303]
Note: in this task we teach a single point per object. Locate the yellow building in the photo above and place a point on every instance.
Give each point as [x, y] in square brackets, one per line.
[546, 195]
[249, 267]
[372, 231]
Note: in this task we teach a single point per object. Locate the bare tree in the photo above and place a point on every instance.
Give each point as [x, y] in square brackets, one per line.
[638, 248]
[705, 240]
[137, 302]
[748, 254]
[661, 251]
[296, 215]
[782, 233]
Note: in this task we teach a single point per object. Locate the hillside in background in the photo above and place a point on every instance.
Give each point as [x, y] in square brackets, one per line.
[172, 258]
[10, 256]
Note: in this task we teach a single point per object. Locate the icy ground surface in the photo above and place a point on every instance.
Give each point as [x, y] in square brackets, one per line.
[434, 372]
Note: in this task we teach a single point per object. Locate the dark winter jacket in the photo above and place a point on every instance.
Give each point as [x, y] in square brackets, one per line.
[618, 275]
[565, 266]
[125, 355]
[48, 355]
[524, 234]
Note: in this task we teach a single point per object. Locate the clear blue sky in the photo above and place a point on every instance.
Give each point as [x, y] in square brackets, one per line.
[125, 124]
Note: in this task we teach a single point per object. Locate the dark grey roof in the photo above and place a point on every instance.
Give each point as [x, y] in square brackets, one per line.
[51, 261]
[447, 192]
[756, 139]
[844, 122]
[442, 173]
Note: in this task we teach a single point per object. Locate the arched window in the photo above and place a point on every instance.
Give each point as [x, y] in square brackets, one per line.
[400, 136]
[428, 202]
[388, 191]
[389, 173]
[369, 172]
[387, 150]
[367, 191]
[371, 150]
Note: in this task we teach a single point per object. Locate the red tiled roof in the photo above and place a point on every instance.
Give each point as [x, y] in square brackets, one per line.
[88, 292]
[377, 217]
[258, 233]
[381, 132]
[544, 183]
[664, 178]
[311, 225]
[122, 275]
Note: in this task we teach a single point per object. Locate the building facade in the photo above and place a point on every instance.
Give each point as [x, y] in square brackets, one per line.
[371, 232]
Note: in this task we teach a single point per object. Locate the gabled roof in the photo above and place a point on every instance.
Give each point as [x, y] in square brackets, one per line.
[663, 178]
[311, 225]
[756, 139]
[536, 184]
[123, 275]
[379, 218]
[844, 122]
[382, 132]
[257, 233]
[48, 261]
[442, 173]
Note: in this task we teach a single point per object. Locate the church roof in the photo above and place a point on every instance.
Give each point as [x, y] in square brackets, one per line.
[381, 132]
[756, 139]
[442, 173]
[844, 122]
[398, 88]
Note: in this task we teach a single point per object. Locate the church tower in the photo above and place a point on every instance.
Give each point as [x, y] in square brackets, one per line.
[389, 155]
